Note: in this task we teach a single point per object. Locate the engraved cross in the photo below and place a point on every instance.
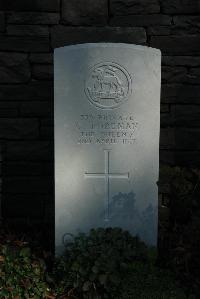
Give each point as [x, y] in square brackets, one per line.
[107, 175]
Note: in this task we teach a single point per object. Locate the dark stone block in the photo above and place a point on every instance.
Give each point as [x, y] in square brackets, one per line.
[159, 30]
[180, 93]
[126, 7]
[181, 60]
[29, 150]
[174, 74]
[180, 138]
[36, 108]
[186, 25]
[194, 75]
[15, 128]
[27, 168]
[42, 72]
[14, 68]
[24, 43]
[47, 132]
[180, 158]
[186, 44]
[164, 213]
[30, 5]
[2, 150]
[28, 30]
[41, 185]
[82, 12]
[47, 122]
[180, 6]
[62, 36]
[8, 109]
[167, 157]
[164, 108]
[182, 116]
[140, 20]
[167, 138]
[32, 91]
[41, 58]
[23, 207]
[8, 112]
[42, 18]
[163, 187]
[2, 22]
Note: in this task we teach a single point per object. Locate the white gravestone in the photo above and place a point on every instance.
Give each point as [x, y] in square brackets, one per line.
[107, 120]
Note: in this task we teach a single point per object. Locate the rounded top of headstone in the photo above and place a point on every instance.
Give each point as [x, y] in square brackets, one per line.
[114, 45]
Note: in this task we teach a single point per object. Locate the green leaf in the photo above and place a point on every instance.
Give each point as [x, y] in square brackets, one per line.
[25, 252]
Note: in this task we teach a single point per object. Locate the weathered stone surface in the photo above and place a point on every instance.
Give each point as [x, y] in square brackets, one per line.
[140, 20]
[34, 90]
[174, 74]
[62, 36]
[181, 60]
[180, 158]
[82, 12]
[17, 128]
[126, 7]
[186, 44]
[180, 138]
[36, 108]
[2, 22]
[182, 115]
[27, 184]
[30, 5]
[14, 68]
[180, 6]
[186, 24]
[159, 30]
[180, 93]
[42, 72]
[71, 132]
[28, 30]
[41, 58]
[33, 18]
[29, 150]
[16, 168]
[24, 43]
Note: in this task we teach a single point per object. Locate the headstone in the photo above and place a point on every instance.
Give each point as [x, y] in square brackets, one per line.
[107, 119]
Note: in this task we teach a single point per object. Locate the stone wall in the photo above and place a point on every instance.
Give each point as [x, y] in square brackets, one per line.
[31, 29]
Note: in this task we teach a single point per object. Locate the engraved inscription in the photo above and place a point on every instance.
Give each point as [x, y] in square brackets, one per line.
[108, 85]
[107, 175]
[106, 129]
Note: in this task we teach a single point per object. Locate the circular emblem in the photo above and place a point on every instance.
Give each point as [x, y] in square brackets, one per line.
[108, 85]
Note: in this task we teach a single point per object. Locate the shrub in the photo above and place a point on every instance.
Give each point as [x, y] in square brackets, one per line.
[106, 263]
[22, 275]
[110, 263]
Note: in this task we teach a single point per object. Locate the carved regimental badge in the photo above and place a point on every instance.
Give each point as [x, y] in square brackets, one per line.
[108, 85]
